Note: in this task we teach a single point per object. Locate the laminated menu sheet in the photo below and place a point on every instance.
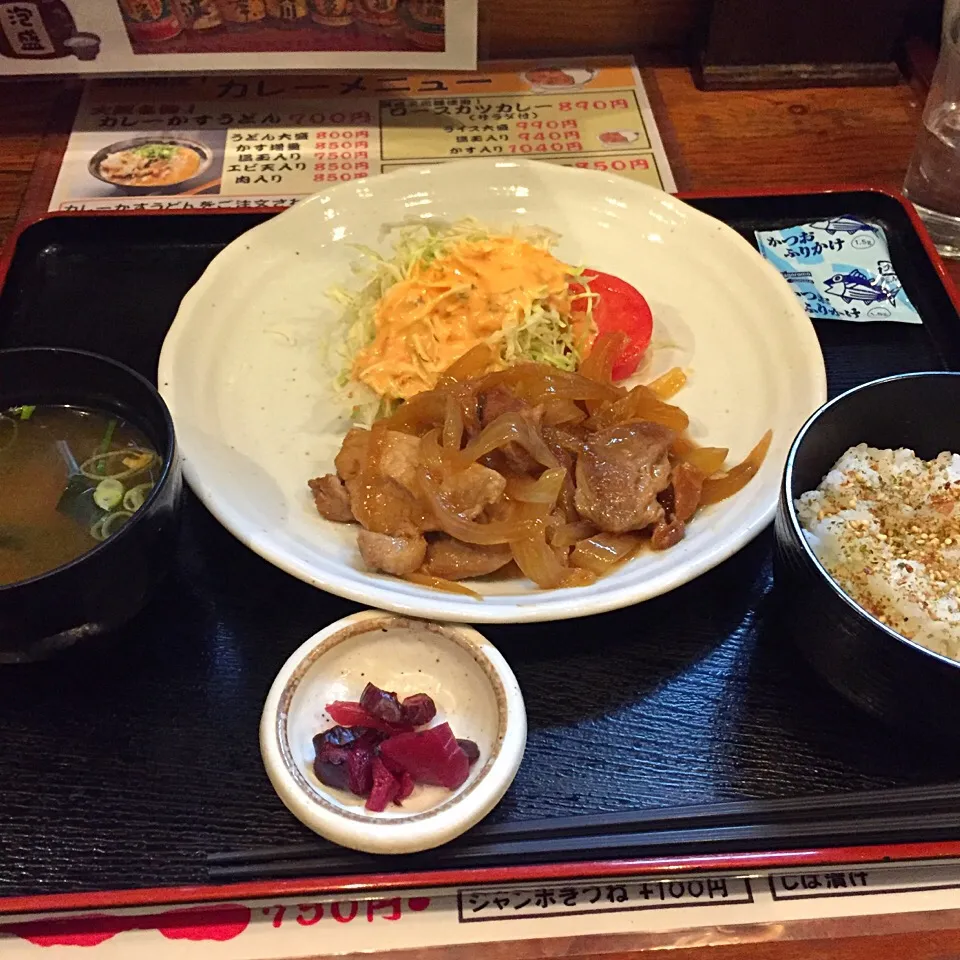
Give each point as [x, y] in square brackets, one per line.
[670, 909]
[203, 143]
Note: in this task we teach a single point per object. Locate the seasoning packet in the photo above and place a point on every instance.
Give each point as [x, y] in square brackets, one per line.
[840, 269]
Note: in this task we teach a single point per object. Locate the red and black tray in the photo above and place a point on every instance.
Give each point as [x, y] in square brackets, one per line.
[679, 732]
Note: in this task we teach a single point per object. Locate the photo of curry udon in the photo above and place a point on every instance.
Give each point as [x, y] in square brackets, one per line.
[147, 163]
[151, 165]
[70, 478]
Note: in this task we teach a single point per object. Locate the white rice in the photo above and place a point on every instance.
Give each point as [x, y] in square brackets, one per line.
[886, 524]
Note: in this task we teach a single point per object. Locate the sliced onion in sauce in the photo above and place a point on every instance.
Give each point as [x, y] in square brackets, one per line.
[578, 577]
[641, 403]
[598, 364]
[603, 551]
[708, 460]
[452, 426]
[474, 363]
[736, 478]
[499, 531]
[558, 410]
[419, 413]
[362, 505]
[510, 427]
[546, 489]
[536, 383]
[669, 384]
[571, 533]
[439, 583]
[537, 561]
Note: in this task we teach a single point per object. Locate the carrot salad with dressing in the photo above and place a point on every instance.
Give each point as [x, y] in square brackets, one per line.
[448, 289]
[477, 291]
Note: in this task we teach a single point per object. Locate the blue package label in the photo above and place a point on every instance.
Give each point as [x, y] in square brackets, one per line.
[840, 269]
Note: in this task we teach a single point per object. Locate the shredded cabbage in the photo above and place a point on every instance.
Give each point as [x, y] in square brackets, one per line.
[541, 336]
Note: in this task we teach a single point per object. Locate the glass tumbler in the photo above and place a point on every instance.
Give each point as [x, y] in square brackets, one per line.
[933, 178]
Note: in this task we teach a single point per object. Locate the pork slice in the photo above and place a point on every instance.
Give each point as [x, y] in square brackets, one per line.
[687, 488]
[495, 402]
[498, 401]
[331, 498]
[466, 491]
[619, 474]
[469, 491]
[470, 408]
[377, 501]
[392, 503]
[399, 459]
[455, 560]
[384, 506]
[399, 456]
[667, 533]
[349, 461]
[565, 441]
[396, 555]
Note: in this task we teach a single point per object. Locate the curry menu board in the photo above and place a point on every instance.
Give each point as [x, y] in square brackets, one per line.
[242, 141]
[151, 36]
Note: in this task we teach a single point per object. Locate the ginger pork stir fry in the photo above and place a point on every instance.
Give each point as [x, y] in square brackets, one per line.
[563, 474]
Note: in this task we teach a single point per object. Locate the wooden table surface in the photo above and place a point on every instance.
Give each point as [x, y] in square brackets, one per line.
[737, 141]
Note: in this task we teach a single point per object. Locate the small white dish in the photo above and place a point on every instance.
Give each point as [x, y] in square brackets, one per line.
[473, 687]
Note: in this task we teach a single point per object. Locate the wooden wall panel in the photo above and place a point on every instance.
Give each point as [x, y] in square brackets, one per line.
[523, 28]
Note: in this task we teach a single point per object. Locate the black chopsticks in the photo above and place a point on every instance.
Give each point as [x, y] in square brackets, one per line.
[927, 813]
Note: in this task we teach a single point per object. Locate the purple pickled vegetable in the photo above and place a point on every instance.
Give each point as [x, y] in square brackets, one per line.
[332, 766]
[370, 739]
[381, 704]
[384, 789]
[406, 788]
[338, 736]
[429, 756]
[360, 770]
[418, 709]
[374, 751]
[395, 768]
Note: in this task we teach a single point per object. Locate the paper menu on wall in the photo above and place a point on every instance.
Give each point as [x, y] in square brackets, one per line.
[244, 141]
[56, 37]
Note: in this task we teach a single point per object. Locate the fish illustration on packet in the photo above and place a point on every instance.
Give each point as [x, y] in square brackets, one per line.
[841, 225]
[840, 269]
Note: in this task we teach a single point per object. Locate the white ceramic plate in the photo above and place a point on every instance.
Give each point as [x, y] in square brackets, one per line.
[472, 686]
[244, 373]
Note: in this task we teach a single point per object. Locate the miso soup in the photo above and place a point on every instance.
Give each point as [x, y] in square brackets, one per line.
[69, 479]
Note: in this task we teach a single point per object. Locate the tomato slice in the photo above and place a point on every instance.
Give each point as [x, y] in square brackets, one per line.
[620, 307]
